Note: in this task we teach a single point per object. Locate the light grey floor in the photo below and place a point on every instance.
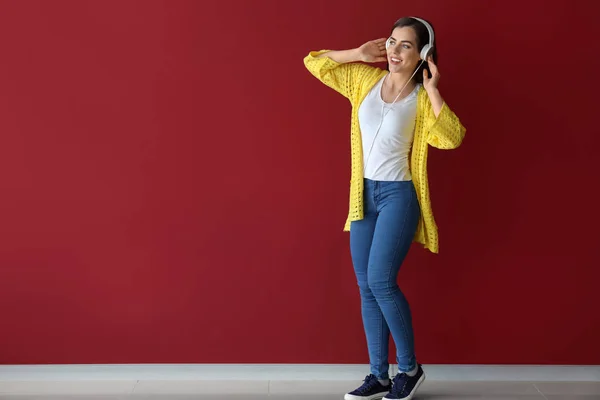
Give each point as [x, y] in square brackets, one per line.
[289, 390]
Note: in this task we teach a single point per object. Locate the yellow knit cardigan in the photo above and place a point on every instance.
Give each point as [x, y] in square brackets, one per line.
[354, 81]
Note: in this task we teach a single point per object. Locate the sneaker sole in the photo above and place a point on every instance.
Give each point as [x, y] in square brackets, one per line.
[412, 393]
[377, 396]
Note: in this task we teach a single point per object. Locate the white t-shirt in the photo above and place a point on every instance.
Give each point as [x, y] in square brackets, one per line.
[385, 156]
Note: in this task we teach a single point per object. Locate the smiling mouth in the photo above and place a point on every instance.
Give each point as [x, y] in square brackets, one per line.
[394, 60]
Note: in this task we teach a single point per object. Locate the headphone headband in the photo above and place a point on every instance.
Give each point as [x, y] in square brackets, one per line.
[426, 50]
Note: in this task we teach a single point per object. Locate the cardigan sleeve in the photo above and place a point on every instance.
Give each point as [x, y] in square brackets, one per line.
[343, 78]
[446, 131]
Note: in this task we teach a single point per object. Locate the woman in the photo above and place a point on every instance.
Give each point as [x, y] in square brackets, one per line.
[396, 114]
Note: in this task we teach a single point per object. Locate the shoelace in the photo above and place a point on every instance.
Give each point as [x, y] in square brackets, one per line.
[400, 379]
[370, 382]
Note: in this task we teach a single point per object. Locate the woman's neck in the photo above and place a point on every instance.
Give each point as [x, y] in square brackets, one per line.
[397, 81]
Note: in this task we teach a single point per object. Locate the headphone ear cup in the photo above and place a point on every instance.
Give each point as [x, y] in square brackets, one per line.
[425, 52]
[388, 43]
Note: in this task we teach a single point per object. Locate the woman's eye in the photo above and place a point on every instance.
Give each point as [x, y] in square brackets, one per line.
[406, 46]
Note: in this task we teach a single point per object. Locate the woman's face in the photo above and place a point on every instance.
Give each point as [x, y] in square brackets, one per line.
[402, 53]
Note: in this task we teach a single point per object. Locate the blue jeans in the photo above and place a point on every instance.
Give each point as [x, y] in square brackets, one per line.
[378, 244]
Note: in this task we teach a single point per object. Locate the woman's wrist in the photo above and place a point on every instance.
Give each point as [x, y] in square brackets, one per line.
[436, 100]
[434, 92]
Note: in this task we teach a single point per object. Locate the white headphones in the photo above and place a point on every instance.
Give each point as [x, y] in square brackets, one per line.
[425, 51]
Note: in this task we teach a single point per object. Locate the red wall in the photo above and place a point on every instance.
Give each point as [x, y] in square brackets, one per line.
[174, 184]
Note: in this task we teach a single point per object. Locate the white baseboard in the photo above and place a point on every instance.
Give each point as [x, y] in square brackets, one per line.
[287, 372]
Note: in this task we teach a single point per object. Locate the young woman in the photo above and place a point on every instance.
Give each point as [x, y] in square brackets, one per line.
[396, 114]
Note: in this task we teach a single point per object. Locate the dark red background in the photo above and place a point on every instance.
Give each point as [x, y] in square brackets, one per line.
[174, 184]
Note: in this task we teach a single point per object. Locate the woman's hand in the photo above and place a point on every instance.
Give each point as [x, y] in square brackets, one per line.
[373, 51]
[430, 83]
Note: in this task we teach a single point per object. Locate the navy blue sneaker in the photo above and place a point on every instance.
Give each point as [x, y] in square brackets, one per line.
[404, 387]
[371, 389]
